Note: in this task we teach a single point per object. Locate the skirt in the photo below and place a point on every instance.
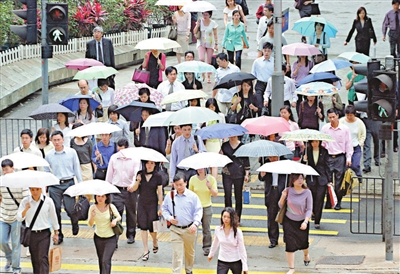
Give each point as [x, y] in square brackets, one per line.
[146, 214]
[184, 44]
[87, 172]
[295, 238]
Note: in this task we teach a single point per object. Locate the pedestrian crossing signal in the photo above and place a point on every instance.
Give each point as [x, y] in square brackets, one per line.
[57, 23]
[383, 99]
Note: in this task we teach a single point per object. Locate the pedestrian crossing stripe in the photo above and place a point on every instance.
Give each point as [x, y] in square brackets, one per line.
[259, 195]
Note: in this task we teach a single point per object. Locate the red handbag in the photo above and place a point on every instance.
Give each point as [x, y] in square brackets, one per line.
[141, 76]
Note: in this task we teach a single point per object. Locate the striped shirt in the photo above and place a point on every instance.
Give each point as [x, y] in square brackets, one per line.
[8, 208]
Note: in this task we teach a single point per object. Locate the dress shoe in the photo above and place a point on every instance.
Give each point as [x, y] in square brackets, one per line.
[367, 169]
[338, 207]
[383, 155]
[75, 229]
[317, 226]
[377, 164]
[396, 149]
[206, 252]
[131, 239]
[307, 260]
[272, 245]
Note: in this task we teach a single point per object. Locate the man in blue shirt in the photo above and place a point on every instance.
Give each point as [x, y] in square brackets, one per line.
[64, 164]
[182, 208]
[101, 155]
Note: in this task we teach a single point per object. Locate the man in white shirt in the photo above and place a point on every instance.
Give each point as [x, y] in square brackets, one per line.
[84, 90]
[224, 96]
[27, 146]
[170, 86]
[262, 26]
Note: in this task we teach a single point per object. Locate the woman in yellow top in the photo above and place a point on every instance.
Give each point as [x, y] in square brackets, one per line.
[104, 238]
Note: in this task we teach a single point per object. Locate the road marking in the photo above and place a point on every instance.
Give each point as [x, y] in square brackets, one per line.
[264, 218]
[259, 195]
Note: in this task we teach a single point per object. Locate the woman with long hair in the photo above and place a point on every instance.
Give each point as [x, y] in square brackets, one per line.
[149, 185]
[62, 125]
[365, 32]
[245, 102]
[232, 254]
[287, 114]
[154, 62]
[182, 21]
[295, 223]
[84, 114]
[311, 112]
[230, 7]
[104, 237]
[84, 148]
[191, 82]
[106, 94]
[300, 69]
[42, 141]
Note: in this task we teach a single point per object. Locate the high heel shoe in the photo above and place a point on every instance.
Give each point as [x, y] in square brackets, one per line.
[146, 256]
[291, 270]
[306, 263]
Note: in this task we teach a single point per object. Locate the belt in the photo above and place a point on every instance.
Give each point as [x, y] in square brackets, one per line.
[65, 180]
[337, 155]
[122, 188]
[261, 82]
[40, 230]
[274, 187]
[183, 227]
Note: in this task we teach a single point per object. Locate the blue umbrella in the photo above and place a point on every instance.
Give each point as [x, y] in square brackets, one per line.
[133, 111]
[72, 102]
[220, 131]
[318, 76]
[306, 26]
[331, 65]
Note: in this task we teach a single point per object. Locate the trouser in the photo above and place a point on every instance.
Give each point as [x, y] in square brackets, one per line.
[272, 211]
[337, 167]
[182, 245]
[205, 227]
[260, 90]
[224, 267]
[202, 52]
[13, 254]
[356, 160]
[57, 194]
[39, 246]
[127, 200]
[235, 57]
[238, 187]
[192, 26]
[394, 40]
[318, 194]
[105, 249]
[372, 132]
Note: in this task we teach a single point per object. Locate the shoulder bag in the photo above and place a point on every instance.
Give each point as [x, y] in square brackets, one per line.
[173, 33]
[282, 212]
[26, 232]
[141, 76]
[198, 33]
[118, 228]
[82, 208]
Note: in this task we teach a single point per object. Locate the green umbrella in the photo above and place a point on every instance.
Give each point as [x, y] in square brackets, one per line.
[184, 95]
[191, 115]
[92, 73]
[355, 57]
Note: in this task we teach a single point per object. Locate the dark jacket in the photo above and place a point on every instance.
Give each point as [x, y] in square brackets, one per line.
[237, 168]
[364, 33]
[308, 117]
[321, 167]
[245, 112]
[108, 51]
[157, 139]
[268, 185]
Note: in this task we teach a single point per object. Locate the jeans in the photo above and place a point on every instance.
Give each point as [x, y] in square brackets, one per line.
[356, 160]
[224, 267]
[12, 254]
[238, 58]
[205, 224]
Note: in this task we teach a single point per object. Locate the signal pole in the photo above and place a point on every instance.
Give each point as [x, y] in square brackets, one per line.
[45, 62]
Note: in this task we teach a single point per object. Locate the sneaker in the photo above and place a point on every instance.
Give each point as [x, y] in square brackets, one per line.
[28, 254]
[8, 267]
[17, 272]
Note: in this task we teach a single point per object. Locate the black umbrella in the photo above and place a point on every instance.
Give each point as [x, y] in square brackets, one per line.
[320, 77]
[234, 79]
[49, 112]
[133, 111]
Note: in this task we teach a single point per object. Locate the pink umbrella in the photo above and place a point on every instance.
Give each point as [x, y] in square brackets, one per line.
[300, 49]
[130, 92]
[82, 63]
[266, 125]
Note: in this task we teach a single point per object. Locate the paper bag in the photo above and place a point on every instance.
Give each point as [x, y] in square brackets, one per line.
[55, 259]
[160, 225]
[332, 196]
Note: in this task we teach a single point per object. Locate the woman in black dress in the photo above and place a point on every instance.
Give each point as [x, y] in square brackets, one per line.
[149, 185]
[155, 63]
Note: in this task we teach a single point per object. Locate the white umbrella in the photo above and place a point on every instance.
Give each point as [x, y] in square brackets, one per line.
[191, 115]
[306, 135]
[94, 128]
[184, 95]
[143, 153]
[287, 167]
[29, 178]
[157, 120]
[24, 160]
[198, 6]
[205, 160]
[157, 43]
[91, 187]
[172, 2]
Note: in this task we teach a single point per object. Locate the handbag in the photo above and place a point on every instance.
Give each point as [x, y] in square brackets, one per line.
[173, 33]
[160, 225]
[163, 171]
[98, 112]
[82, 208]
[244, 44]
[141, 76]
[232, 117]
[55, 257]
[25, 238]
[118, 228]
[332, 196]
[281, 213]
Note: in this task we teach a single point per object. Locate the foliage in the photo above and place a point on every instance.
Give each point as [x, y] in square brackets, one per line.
[135, 14]
[87, 16]
[159, 14]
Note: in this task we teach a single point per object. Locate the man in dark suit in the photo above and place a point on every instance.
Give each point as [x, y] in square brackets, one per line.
[274, 184]
[102, 50]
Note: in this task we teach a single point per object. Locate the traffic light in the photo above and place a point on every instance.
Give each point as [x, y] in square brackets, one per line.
[363, 85]
[57, 23]
[382, 100]
[28, 32]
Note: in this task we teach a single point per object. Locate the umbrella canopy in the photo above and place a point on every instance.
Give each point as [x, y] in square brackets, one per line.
[266, 125]
[94, 128]
[133, 111]
[24, 160]
[300, 49]
[355, 57]
[287, 167]
[306, 135]
[29, 178]
[306, 26]
[318, 76]
[205, 160]
[130, 92]
[144, 153]
[184, 95]
[234, 79]
[157, 43]
[157, 120]
[198, 6]
[91, 187]
[220, 131]
[72, 102]
[82, 63]
[50, 112]
[262, 148]
[191, 115]
[195, 66]
[172, 2]
[331, 65]
[92, 73]
[317, 89]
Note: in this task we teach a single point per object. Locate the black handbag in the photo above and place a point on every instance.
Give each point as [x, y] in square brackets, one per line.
[25, 238]
[82, 208]
[98, 113]
[163, 171]
[118, 228]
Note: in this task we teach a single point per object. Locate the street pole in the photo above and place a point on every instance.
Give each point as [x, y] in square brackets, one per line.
[388, 202]
[278, 80]
[45, 64]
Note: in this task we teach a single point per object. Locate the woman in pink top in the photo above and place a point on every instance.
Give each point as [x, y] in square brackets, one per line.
[232, 255]
[295, 223]
[287, 114]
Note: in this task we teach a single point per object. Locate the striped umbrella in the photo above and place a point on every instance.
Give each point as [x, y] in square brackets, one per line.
[306, 135]
[262, 148]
